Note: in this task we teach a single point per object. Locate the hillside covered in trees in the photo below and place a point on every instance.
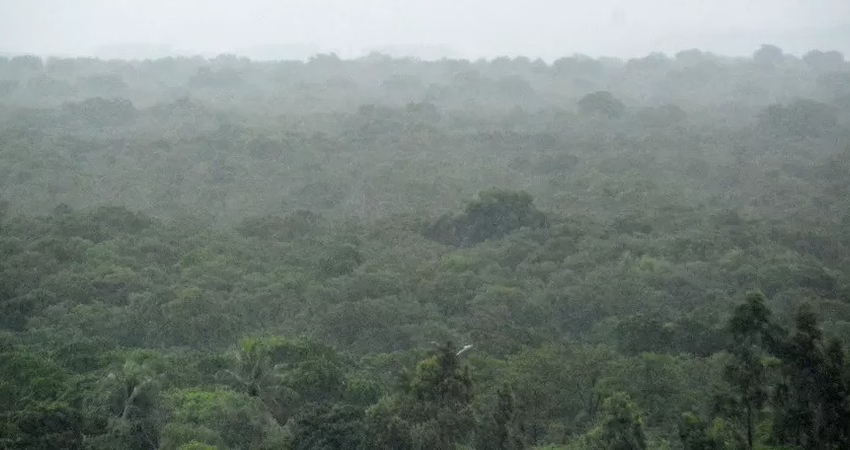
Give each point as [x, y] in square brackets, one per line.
[227, 254]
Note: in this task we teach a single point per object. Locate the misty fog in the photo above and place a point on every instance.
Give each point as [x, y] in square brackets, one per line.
[466, 28]
[445, 225]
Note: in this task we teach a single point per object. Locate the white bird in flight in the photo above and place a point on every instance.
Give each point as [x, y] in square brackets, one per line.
[464, 349]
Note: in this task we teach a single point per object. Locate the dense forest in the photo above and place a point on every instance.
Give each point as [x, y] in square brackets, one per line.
[388, 253]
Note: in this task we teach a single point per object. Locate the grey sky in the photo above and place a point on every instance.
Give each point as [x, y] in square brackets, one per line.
[546, 28]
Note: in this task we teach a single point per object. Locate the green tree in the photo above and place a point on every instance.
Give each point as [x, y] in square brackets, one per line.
[620, 426]
[39, 402]
[252, 367]
[811, 403]
[500, 431]
[325, 427]
[493, 215]
[442, 400]
[44, 427]
[798, 119]
[286, 374]
[340, 259]
[698, 434]
[835, 397]
[829, 61]
[216, 417]
[387, 429]
[195, 445]
[768, 55]
[601, 104]
[4, 210]
[129, 395]
[642, 333]
[746, 372]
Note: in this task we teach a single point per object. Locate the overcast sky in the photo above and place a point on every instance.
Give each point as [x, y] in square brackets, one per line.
[545, 28]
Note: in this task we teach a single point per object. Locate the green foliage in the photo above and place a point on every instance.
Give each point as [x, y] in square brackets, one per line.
[768, 55]
[433, 409]
[44, 426]
[601, 104]
[340, 260]
[493, 215]
[620, 427]
[806, 379]
[558, 386]
[747, 373]
[328, 428]
[286, 374]
[101, 112]
[298, 224]
[638, 334]
[225, 253]
[499, 433]
[195, 445]
[697, 434]
[799, 119]
[811, 403]
[214, 418]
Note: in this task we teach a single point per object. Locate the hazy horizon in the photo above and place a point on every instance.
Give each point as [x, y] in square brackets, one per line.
[469, 29]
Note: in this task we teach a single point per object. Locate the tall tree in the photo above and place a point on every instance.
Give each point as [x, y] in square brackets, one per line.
[811, 409]
[835, 432]
[746, 372]
[499, 432]
[698, 434]
[620, 426]
[442, 393]
[694, 434]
